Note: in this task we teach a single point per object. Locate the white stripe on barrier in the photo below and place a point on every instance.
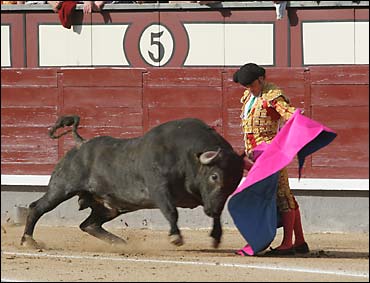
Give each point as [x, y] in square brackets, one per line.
[25, 180]
[338, 272]
[295, 184]
[13, 280]
[329, 184]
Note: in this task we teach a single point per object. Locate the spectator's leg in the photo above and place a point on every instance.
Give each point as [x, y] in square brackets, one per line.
[280, 7]
[98, 5]
[55, 5]
[88, 7]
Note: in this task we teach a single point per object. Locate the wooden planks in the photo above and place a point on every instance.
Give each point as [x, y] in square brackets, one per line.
[29, 77]
[180, 93]
[107, 77]
[126, 103]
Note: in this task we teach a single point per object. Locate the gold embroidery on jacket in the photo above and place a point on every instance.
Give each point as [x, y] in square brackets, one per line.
[258, 122]
[260, 127]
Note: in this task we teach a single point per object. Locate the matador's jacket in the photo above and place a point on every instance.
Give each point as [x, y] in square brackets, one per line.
[261, 120]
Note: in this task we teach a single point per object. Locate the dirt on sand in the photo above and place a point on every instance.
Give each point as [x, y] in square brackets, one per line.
[68, 254]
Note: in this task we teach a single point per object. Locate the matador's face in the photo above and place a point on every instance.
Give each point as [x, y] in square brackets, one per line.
[256, 86]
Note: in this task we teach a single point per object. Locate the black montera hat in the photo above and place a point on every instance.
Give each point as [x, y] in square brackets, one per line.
[248, 74]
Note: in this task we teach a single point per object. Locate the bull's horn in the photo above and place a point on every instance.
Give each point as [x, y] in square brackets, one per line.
[208, 156]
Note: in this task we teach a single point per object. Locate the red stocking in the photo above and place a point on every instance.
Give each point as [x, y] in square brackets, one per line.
[287, 219]
[298, 231]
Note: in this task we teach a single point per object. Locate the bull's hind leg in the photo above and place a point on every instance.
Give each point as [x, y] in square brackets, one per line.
[36, 209]
[93, 224]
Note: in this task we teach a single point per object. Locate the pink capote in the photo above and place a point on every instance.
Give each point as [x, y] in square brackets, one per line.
[253, 204]
[298, 131]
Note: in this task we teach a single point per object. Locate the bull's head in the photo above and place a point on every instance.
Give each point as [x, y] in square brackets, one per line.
[219, 174]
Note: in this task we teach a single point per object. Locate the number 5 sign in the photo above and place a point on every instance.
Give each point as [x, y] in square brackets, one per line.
[151, 43]
[156, 45]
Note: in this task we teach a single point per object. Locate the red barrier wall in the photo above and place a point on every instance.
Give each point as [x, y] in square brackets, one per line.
[126, 103]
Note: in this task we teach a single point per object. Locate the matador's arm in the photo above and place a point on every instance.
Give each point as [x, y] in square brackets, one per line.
[283, 107]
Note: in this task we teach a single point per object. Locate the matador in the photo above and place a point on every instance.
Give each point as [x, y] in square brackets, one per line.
[265, 109]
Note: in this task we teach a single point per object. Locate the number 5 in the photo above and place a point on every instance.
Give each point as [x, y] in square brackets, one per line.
[155, 41]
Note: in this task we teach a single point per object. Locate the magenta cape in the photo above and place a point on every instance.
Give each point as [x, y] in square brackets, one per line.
[253, 204]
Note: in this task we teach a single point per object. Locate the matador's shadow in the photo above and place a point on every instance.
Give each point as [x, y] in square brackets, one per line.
[311, 254]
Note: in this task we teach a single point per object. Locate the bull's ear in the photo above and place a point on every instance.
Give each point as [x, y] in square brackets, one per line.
[208, 156]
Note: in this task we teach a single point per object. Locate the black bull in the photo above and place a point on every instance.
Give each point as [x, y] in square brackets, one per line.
[181, 163]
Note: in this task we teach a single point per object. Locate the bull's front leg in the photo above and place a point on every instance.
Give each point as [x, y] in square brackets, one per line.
[175, 234]
[169, 210]
[216, 232]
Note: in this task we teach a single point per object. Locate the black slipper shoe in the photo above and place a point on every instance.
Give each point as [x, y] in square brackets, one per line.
[274, 252]
[302, 249]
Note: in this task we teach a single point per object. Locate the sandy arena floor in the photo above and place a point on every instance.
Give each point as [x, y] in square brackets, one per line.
[69, 254]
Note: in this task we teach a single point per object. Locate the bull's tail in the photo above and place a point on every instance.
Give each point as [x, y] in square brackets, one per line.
[67, 121]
